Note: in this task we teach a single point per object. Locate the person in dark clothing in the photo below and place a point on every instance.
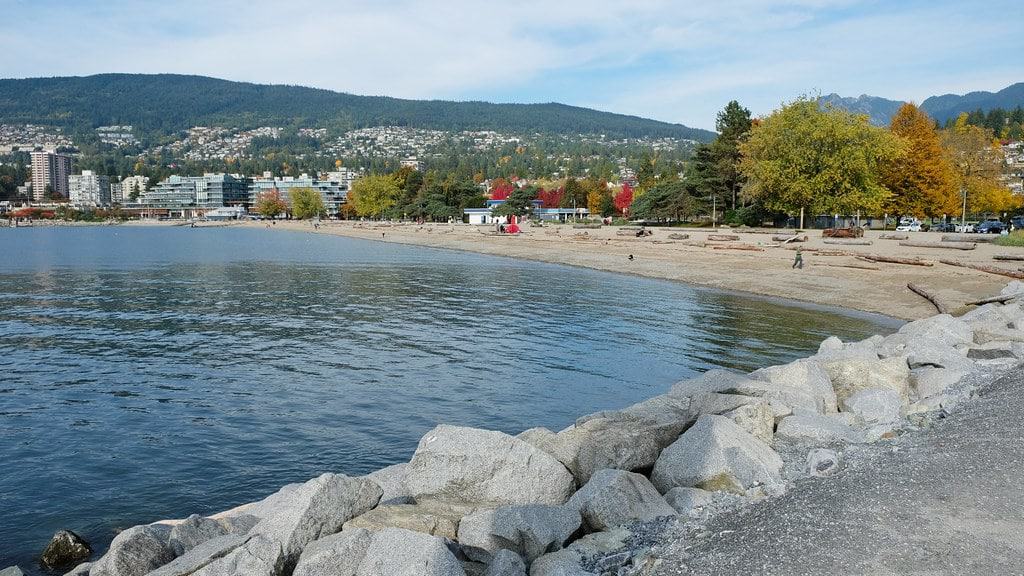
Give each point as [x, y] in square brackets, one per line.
[798, 262]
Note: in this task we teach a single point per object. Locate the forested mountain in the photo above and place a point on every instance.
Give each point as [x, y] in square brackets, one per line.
[879, 110]
[940, 108]
[948, 106]
[162, 104]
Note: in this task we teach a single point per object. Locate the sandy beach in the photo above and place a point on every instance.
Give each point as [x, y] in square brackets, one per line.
[835, 280]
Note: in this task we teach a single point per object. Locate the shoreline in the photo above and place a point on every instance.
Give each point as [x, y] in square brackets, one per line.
[604, 491]
[836, 281]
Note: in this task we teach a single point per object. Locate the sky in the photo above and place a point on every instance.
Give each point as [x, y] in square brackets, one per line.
[677, 61]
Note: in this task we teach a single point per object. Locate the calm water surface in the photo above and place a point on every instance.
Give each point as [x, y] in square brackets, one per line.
[153, 373]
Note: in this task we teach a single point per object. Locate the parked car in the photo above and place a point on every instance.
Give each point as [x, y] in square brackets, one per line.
[1017, 222]
[967, 228]
[990, 226]
[945, 227]
[908, 225]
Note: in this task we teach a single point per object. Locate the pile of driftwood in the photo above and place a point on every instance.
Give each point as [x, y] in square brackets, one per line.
[855, 232]
[722, 237]
[788, 239]
[677, 236]
[894, 237]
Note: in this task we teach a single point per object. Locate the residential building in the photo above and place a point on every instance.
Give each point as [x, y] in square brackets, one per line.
[412, 162]
[89, 189]
[116, 197]
[334, 192]
[133, 187]
[50, 172]
[190, 196]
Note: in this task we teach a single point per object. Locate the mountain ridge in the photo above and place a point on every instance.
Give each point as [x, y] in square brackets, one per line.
[941, 107]
[167, 103]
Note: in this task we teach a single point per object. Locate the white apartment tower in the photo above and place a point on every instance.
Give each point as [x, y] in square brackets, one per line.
[89, 189]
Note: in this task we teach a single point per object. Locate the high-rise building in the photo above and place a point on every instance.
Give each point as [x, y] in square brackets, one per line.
[89, 189]
[50, 172]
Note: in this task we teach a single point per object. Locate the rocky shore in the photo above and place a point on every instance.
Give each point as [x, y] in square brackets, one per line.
[608, 494]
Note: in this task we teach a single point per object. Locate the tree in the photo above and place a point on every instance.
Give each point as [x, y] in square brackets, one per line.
[624, 198]
[307, 203]
[670, 201]
[574, 195]
[978, 163]
[269, 204]
[733, 124]
[827, 161]
[922, 181]
[373, 195]
[519, 203]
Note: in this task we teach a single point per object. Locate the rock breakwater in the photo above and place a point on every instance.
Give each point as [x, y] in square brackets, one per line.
[576, 502]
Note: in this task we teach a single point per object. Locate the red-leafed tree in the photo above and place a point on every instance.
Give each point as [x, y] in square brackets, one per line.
[501, 189]
[624, 199]
[550, 198]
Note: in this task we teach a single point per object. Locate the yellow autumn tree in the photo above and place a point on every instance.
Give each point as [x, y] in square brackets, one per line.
[977, 162]
[922, 181]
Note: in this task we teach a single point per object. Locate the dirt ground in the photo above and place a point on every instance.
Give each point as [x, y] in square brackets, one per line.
[837, 280]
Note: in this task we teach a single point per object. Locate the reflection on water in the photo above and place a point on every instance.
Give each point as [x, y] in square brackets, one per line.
[150, 373]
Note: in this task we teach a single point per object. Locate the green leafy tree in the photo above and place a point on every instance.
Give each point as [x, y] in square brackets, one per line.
[519, 203]
[307, 203]
[803, 158]
[373, 195]
[269, 204]
[733, 125]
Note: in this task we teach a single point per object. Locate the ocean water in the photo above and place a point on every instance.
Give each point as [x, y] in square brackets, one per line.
[150, 373]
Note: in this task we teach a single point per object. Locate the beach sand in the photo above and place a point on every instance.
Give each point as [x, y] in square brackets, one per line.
[870, 287]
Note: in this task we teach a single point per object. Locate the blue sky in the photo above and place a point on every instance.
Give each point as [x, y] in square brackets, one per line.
[678, 61]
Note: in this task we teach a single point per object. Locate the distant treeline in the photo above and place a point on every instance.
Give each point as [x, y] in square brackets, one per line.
[1005, 124]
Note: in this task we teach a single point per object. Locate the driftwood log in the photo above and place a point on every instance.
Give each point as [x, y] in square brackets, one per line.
[984, 268]
[722, 237]
[1010, 257]
[948, 245]
[894, 237]
[983, 238]
[854, 232]
[677, 236]
[929, 296]
[586, 226]
[788, 239]
[1000, 299]
[847, 265]
[895, 260]
[694, 243]
[847, 242]
[747, 247]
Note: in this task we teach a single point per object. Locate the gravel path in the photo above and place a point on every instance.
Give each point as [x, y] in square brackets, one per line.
[949, 500]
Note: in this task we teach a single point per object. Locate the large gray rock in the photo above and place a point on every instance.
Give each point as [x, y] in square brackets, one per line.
[715, 380]
[833, 349]
[135, 552]
[991, 351]
[318, 508]
[612, 440]
[259, 556]
[758, 418]
[940, 328]
[874, 406]
[202, 555]
[483, 467]
[934, 354]
[392, 482]
[716, 454]
[569, 562]
[397, 552]
[803, 383]
[65, 548]
[80, 570]
[850, 376]
[718, 403]
[193, 531]
[434, 518]
[688, 501]
[809, 427]
[615, 497]
[529, 531]
[506, 563]
[12, 571]
[930, 381]
[566, 562]
[335, 555]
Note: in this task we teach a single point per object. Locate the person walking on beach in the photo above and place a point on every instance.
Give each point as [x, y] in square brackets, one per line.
[798, 262]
